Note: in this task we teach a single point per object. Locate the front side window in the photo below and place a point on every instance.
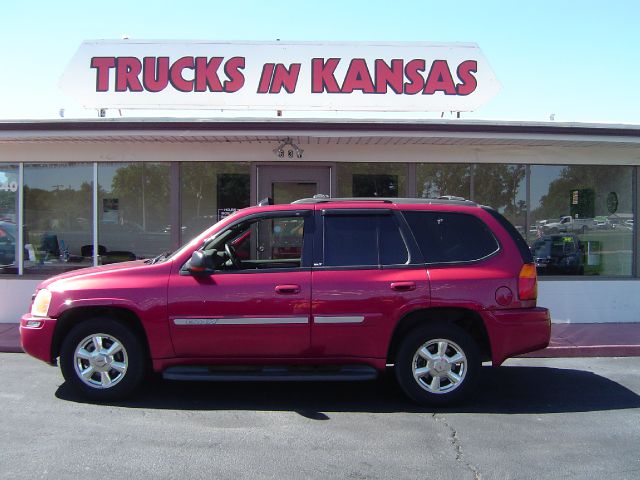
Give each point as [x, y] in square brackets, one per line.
[446, 237]
[257, 244]
[362, 240]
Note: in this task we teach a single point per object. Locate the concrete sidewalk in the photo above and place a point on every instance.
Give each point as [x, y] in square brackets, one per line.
[592, 340]
[567, 340]
[10, 338]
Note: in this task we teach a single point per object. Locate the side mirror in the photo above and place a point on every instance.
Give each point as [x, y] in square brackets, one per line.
[200, 263]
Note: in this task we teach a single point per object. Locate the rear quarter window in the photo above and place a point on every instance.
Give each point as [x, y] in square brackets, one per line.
[447, 237]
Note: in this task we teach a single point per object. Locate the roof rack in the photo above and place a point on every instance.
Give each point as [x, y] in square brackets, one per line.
[429, 201]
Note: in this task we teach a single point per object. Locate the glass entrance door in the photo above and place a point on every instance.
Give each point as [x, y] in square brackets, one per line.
[291, 183]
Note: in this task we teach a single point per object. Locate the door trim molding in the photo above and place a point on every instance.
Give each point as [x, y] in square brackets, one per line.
[188, 322]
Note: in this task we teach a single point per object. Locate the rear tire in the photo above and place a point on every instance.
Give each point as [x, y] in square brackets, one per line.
[437, 364]
[103, 360]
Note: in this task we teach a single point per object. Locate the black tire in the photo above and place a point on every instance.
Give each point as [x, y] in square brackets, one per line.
[425, 389]
[105, 379]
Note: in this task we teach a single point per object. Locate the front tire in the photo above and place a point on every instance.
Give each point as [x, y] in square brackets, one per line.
[437, 364]
[103, 360]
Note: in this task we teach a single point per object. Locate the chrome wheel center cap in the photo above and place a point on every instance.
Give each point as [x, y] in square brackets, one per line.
[441, 366]
[101, 362]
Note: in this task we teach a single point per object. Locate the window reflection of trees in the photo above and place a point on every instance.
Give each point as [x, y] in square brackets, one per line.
[142, 190]
[134, 210]
[436, 180]
[500, 186]
[602, 179]
[210, 190]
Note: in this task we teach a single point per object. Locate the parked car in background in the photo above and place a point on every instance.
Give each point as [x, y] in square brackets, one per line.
[558, 255]
[569, 224]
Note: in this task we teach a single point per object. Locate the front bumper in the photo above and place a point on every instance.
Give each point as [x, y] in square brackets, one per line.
[37, 340]
[517, 331]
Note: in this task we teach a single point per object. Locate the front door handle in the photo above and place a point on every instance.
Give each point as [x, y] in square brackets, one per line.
[287, 289]
[403, 286]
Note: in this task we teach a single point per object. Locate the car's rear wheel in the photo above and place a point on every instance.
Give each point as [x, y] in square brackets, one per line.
[437, 364]
[102, 359]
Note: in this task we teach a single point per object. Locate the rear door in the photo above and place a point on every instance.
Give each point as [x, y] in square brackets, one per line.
[363, 281]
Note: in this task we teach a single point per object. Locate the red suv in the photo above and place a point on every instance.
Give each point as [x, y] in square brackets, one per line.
[326, 289]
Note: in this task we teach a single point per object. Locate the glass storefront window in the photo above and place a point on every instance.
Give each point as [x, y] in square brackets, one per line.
[57, 217]
[435, 180]
[9, 191]
[582, 219]
[502, 187]
[209, 192]
[372, 179]
[133, 211]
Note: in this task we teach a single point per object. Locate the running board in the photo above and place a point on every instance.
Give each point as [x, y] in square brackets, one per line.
[271, 373]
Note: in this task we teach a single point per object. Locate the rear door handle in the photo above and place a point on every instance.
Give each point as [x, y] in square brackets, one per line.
[403, 286]
[287, 289]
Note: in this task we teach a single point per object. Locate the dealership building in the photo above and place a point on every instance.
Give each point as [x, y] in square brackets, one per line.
[76, 193]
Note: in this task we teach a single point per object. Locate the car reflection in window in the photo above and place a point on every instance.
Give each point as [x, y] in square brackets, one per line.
[558, 255]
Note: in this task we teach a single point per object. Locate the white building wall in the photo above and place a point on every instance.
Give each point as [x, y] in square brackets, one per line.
[591, 301]
[15, 297]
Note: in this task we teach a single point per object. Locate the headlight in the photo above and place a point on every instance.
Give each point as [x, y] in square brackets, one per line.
[40, 305]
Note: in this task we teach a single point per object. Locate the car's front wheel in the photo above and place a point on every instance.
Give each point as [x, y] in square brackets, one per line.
[437, 364]
[102, 359]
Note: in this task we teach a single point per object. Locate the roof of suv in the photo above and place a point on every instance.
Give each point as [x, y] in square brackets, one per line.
[395, 201]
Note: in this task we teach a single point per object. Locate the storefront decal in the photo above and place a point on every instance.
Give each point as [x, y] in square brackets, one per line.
[274, 75]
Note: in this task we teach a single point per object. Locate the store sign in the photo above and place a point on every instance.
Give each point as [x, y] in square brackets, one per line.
[283, 76]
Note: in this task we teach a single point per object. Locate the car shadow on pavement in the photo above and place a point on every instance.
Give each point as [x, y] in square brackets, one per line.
[506, 390]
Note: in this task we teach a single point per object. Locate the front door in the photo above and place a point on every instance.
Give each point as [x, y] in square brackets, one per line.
[286, 184]
[257, 301]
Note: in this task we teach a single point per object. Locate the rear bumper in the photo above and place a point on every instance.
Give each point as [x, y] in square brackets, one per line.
[513, 332]
[36, 340]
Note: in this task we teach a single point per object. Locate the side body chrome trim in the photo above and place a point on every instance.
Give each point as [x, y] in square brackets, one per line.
[241, 321]
[327, 319]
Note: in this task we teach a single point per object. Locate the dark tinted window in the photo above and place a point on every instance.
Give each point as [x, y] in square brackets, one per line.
[523, 248]
[393, 250]
[451, 237]
[351, 240]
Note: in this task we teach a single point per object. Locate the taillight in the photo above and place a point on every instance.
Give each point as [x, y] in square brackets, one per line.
[528, 282]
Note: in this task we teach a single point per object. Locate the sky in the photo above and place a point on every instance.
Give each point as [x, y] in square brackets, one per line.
[571, 61]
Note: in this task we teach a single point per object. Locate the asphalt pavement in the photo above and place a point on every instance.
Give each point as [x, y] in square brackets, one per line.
[530, 419]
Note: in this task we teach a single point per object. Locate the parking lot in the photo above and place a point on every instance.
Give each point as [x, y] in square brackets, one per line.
[532, 419]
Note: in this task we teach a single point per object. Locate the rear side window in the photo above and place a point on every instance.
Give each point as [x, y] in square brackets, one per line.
[520, 242]
[363, 240]
[445, 237]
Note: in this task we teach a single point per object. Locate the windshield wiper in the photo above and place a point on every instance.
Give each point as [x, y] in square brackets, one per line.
[159, 258]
